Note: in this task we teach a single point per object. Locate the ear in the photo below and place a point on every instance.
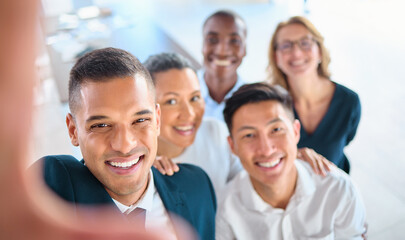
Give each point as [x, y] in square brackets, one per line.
[72, 129]
[297, 129]
[231, 144]
[158, 118]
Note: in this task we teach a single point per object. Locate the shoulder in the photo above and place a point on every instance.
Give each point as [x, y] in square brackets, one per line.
[61, 160]
[337, 183]
[347, 94]
[186, 178]
[54, 165]
[72, 180]
[236, 188]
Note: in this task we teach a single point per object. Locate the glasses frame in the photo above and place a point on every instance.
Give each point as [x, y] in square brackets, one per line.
[298, 43]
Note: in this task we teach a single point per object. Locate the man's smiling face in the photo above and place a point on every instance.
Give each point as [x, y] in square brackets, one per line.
[116, 126]
[224, 45]
[265, 139]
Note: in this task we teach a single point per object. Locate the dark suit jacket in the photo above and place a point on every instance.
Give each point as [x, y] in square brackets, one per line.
[188, 193]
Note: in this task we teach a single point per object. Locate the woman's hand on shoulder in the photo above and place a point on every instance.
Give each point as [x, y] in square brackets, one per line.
[319, 163]
[165, 165]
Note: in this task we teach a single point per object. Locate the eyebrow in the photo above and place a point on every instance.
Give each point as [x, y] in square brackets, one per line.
[216, 33]
[103, 117]
[174, 93]
[302, 38]
[171, 93]
[252, 128]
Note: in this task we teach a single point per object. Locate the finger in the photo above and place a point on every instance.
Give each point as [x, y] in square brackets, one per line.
[321, 165]
[319, 162]
[158, 165]
[175, 167]
[327, 164]
[309, 159]
[315, 159]
[167, 166]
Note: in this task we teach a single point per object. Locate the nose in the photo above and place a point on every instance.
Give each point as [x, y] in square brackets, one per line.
[295, 49]
[265, 146]
[222, 48]
[187, 112]
[123, 139]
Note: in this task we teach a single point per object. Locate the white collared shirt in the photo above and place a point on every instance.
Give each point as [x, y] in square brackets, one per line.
[157, 217]
[210, 151]
[213, 108]
[321, 208]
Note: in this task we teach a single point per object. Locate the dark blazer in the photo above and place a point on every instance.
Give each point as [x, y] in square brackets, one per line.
[188, 193]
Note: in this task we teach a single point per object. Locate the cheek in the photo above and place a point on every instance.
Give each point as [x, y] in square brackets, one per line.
[168, 117]
[199, 109]
[279, 60]
[206, 49]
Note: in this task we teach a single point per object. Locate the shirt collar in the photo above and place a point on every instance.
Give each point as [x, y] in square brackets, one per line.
[204, 88]
[146, 201]
[305, 187]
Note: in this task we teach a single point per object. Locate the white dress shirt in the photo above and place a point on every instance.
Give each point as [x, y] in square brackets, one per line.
[212, 108]
[156, 217]
[321, 208]
[210, 151]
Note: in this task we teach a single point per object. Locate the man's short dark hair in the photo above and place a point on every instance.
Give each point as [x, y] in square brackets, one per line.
[230, 14]
[102, 65]
[254, 93]
[164, 62]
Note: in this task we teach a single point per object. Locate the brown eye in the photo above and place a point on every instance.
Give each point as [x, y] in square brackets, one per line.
[100, 127]
[236, 41]
[171, 102]
[212, 40]
[195, 98]
[141, 120]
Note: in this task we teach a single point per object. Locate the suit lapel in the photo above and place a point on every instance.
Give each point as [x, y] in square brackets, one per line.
[172, 197]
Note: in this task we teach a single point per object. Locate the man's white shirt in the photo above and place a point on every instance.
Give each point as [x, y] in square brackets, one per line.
[212, 108]
[156, 217]
[321, 208]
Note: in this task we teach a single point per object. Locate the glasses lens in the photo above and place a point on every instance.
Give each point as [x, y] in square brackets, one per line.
[305, 43]
[285, 46]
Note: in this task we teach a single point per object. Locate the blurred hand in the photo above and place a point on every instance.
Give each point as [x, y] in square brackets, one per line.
[28, 209]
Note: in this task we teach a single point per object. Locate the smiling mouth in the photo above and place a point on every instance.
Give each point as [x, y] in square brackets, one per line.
[269, 164]
[297, 63]
[222, 63]
[125, 165]
[184, 128]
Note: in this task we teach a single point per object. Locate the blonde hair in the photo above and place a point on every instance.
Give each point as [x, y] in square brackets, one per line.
[276, 76]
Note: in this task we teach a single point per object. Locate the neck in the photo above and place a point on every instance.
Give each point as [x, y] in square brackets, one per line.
[130, 199]
[219, 86]
[168, 149]
[308, 88]
[277, 194]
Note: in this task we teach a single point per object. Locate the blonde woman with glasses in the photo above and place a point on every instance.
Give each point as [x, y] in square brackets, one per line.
[329, 112]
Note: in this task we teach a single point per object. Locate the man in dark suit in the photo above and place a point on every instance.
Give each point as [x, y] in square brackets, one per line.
[115, 121]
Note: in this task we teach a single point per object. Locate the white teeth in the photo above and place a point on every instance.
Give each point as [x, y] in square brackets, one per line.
[185, 128]
[124, 164]
[269, 164]
[297, 63]
[222, 62]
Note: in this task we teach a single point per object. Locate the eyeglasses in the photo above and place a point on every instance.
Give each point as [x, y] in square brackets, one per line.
[305, 44]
